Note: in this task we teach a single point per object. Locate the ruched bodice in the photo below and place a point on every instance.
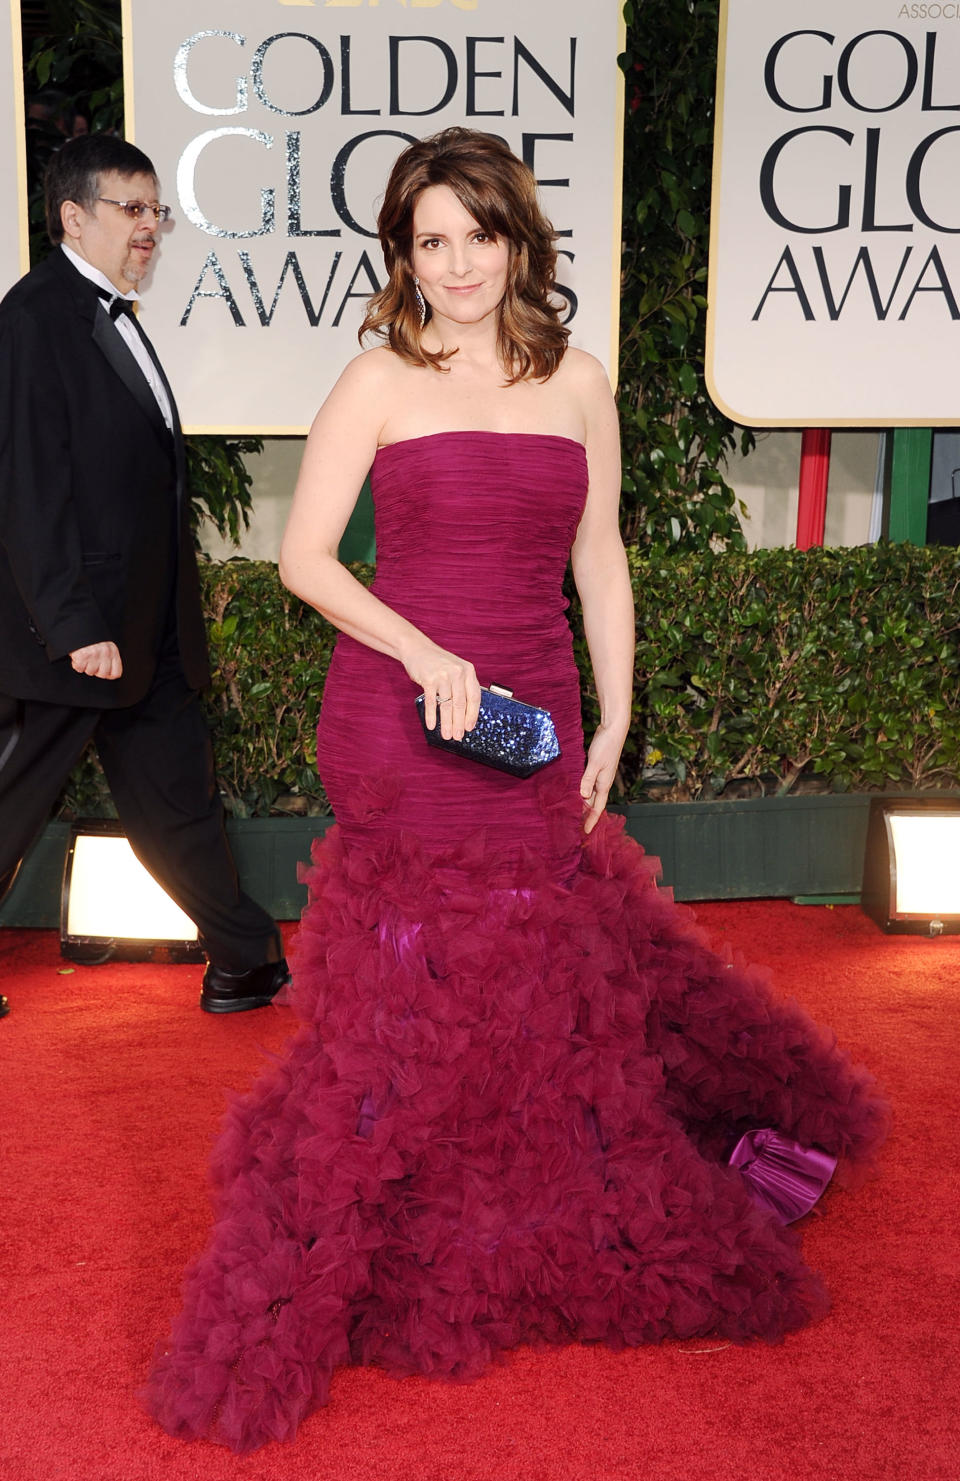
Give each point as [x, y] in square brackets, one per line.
[473, 536]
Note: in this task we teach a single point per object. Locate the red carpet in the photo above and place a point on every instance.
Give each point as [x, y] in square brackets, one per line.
[113, 1088]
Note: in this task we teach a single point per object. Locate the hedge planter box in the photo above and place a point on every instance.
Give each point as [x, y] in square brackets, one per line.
[269, 853]
[765, 846]
[762, 846]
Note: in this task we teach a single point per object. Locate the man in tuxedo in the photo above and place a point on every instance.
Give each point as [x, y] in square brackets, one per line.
[101, 630]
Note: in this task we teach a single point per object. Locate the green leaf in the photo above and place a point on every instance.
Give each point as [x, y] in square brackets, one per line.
[688, 380]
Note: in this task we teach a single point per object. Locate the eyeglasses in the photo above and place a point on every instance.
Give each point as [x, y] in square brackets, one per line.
[136, 210]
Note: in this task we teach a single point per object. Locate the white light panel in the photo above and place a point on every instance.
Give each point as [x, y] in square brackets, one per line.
[927, 854]
[112, 895]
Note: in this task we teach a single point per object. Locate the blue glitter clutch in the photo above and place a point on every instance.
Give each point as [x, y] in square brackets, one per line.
[509, 735]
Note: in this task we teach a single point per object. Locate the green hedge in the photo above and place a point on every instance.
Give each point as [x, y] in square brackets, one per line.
[778, 670]
[792, 669]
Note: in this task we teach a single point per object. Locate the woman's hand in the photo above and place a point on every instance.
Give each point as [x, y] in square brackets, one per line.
[603, 759]
[450, 688]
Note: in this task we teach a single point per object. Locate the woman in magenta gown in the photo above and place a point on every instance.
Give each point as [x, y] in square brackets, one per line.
[519, 1072]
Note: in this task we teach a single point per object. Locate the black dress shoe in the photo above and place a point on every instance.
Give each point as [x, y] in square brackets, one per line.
[227, 991]
[4, 1006]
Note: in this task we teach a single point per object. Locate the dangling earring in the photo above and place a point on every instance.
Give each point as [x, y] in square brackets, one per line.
[421, 302]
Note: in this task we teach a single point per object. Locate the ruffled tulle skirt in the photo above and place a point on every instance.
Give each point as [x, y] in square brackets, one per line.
[504, 1119]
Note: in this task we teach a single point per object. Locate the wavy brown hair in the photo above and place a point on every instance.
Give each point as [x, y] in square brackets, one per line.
[500, 193]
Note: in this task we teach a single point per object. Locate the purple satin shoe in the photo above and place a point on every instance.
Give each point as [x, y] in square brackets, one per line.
[781, 1174]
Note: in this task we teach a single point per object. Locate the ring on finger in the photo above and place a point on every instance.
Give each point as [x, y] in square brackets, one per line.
[446, 700]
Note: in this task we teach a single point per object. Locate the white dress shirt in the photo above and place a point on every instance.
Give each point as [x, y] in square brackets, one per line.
[124, 327]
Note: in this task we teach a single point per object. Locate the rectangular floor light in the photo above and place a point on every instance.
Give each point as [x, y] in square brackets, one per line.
[911, 869]
[112, 909]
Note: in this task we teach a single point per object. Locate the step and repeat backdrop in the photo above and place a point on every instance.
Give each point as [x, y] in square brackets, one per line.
[13, 173]
[835, 253]
[273, 125]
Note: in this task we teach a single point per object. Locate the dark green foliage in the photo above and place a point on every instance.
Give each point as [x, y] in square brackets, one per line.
[219, 481]
[780, 670]
[786, 667]
[674, 438]
[77, 62]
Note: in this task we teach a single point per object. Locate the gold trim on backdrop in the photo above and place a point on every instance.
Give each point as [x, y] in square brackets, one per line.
[715, 215]
[863, 424]
[616, 242]
[258, 431]
[19, 114]
[126, 31]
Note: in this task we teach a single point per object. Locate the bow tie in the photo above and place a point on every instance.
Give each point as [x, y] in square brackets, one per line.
[118, 305]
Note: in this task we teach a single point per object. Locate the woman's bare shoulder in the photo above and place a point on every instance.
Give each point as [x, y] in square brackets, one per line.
[364, 390]
[369, 371]
[584, 371]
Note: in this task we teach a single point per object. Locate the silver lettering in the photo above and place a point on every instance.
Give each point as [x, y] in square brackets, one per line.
[182, 84]
[186, 185]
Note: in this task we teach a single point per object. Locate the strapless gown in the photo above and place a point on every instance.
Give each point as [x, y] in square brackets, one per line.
[506, 1114]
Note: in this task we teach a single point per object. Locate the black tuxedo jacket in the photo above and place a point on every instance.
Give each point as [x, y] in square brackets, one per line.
[94, 533]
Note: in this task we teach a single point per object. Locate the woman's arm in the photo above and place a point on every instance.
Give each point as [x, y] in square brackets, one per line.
[603, 580]
[339, 452]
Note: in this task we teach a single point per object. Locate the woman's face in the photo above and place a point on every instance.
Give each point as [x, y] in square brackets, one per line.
[462, 269]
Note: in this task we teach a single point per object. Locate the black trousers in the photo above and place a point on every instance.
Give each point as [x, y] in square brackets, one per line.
[158, 761]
